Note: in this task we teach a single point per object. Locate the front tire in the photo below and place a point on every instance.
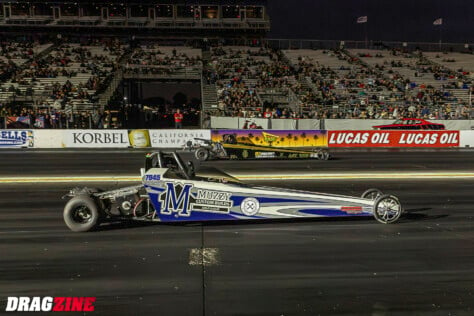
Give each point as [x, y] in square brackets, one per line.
[387, 209]
[81, 214]
[202, 154]
[371, 194]
[322, 154]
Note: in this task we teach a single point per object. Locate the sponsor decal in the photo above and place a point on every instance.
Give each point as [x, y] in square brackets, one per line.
[152, 177]
[179, 200]
[213, 201]
[393, 139]
[250, 206]
[50, 304]
[264, 154]
[269, 138]
[352, 209]
[176, 138]
[139, 138]
[16, 138]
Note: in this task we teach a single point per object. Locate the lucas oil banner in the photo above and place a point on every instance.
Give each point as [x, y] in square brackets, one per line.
[393, 138]
[272, 138]
[16, 138]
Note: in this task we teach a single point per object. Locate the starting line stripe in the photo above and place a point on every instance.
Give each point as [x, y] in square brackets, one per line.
[257, 177]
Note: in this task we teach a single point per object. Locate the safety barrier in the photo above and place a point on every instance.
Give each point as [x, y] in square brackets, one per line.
[363, 125]
[167, 138]
[218, 122]
[466, 139]
[107, 138]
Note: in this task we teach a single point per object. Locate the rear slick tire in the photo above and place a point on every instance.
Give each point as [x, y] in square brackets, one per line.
[81, 214]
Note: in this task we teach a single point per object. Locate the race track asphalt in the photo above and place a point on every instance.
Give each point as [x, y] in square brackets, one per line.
[423, 265]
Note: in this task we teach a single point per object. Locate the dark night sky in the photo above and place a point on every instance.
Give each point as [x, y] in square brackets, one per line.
[389, 20]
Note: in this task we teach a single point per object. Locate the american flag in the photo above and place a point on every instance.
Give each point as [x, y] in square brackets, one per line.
[362, 19]
[438, 21]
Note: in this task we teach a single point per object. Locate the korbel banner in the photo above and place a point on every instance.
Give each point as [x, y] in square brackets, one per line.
[393, 139]
[95, 138]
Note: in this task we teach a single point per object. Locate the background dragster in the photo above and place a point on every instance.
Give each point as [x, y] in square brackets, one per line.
[230, 148]
[171, 192]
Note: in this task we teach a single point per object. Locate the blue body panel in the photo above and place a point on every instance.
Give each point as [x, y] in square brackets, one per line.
[190, 200]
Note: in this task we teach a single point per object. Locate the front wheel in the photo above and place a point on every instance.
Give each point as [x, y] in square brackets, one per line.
[322, 154]
[387, 209]
[81, 214]
[371, 194]
[201, 154]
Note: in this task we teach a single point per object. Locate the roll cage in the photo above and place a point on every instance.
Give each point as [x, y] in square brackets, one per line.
[171, 161]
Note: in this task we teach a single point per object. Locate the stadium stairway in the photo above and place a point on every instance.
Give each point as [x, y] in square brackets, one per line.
[105, 97]
[208, 90]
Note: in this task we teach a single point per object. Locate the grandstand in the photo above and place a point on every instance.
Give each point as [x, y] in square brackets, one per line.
[171, 18]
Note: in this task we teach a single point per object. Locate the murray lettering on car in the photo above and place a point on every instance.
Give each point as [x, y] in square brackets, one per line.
[185, 200]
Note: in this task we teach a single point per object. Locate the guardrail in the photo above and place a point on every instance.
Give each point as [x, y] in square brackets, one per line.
[328, 124]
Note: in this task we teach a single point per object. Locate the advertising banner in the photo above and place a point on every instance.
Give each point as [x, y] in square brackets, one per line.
[176, 138]
[139, 138]
[393, 139]
[273, 138]
[467, 139]
[95, 139]
[16, 138]
[48, 138]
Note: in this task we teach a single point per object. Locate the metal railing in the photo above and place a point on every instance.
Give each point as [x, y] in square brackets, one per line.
[373, 44]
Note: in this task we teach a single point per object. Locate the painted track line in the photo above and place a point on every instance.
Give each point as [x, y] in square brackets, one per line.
[64, 179]
[358, 176]
[257, 177]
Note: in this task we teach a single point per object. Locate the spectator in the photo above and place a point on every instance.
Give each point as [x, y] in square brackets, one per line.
[178, 119]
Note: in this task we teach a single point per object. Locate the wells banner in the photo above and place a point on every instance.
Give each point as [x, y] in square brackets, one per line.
[272, 138]
[393, 139]
[16, 138]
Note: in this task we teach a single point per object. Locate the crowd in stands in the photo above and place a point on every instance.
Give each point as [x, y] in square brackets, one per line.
[347, 88]
[155, 59]
[63, 82]
[68, 76]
